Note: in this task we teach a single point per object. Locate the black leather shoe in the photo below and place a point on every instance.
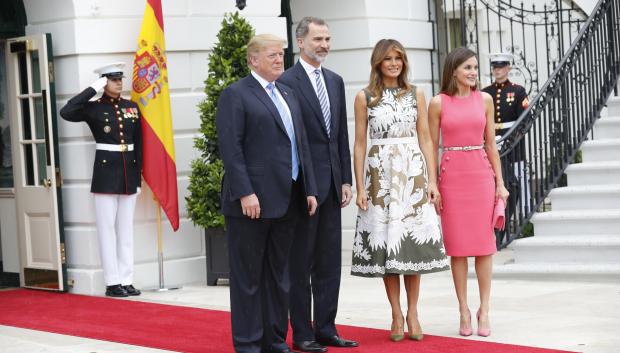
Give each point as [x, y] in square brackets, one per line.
[131, 290]
[309, 346]
[116, 291]
[337, 341]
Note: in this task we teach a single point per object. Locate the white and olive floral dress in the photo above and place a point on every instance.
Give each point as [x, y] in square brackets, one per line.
[399, 233]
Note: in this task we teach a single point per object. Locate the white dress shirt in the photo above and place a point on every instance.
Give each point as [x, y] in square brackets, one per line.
[312, 76]
[264, 84]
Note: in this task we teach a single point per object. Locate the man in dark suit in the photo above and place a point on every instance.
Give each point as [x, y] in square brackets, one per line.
[315, 264]
[268, 183]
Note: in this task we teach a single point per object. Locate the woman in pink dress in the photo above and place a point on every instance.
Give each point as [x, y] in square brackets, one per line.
[470, 179]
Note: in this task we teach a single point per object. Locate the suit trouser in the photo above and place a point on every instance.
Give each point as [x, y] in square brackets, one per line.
[315, 267]
[115, 235]
[259, 283]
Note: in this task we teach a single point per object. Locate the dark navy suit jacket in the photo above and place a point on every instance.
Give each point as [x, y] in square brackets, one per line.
[256, 149]
[330, 153]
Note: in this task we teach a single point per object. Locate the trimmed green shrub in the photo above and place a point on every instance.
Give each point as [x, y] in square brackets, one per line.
[227, 64]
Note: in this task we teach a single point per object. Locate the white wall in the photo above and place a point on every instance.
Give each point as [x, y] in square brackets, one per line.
[587, 5]
[87, 34]
[355, 27]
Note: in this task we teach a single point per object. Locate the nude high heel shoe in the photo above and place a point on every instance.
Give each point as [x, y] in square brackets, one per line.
[414, 336]
[399, 333]
[484, 332]
[467, 331]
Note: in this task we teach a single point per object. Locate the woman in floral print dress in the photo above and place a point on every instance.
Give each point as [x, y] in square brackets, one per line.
[397, 231]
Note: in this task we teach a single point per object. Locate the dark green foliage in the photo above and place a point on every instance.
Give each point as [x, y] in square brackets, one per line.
[578, 157]
[227, 64]
[564, 179]
[528, 230]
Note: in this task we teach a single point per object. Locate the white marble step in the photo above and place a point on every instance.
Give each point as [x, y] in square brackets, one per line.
[607, 128]
[577, 222]
[558, 271]
[580, 237]
[593, 173]
[600, 150]
[600, 249]
[613, 106]
[585, 197]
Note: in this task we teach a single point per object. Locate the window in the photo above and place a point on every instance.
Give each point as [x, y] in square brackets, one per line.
[455, 33]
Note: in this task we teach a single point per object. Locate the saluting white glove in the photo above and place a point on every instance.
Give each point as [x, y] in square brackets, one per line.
[99, 84]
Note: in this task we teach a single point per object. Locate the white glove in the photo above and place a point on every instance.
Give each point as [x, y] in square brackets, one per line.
[138, 190]
[100, 83]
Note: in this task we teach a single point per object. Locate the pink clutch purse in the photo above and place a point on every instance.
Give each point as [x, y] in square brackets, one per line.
[499, 218]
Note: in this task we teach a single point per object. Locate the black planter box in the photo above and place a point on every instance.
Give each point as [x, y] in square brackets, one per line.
[217, 255]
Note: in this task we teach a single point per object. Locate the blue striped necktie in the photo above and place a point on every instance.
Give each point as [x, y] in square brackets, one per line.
[288, 125]
[322, 95]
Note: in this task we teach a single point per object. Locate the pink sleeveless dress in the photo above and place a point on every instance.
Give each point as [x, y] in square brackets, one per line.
[466, 179]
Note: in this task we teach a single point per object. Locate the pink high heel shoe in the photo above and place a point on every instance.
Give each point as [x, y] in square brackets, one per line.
[484, 332]
[466, 331]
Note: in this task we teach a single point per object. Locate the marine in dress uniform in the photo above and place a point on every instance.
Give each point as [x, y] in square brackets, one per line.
[509, 101]
[115, 125]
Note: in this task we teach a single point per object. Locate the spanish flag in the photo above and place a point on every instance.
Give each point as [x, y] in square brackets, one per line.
[150, 92]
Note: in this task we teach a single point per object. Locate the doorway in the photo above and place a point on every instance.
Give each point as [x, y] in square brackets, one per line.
[12, 24]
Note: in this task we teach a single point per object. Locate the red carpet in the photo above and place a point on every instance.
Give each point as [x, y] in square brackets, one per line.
[184, 329]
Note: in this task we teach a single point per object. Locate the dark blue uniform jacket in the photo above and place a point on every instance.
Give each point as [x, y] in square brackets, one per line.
[113, 121]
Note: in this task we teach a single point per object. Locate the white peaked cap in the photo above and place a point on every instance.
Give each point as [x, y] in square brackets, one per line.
[111, 70]
[501, 57]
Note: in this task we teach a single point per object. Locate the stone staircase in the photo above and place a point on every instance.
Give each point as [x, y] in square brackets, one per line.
[580, 236]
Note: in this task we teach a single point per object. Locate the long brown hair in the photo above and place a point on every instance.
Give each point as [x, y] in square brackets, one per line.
[375, 85]
[456, 57]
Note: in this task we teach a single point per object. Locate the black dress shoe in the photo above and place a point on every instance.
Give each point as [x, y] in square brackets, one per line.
[309, 346]
[131, 290]
[337, 341]
[116, 291]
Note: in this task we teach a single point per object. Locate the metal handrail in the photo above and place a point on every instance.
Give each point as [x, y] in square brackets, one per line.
[546, 138]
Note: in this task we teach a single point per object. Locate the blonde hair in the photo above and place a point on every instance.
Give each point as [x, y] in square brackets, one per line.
[260, 41]
[376, 85]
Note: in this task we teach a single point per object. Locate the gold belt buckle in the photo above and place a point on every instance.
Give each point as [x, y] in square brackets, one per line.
[123, 147]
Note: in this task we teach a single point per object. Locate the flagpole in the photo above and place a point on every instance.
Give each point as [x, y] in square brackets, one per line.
[160, 254]
[151, 93]
[160, 247]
